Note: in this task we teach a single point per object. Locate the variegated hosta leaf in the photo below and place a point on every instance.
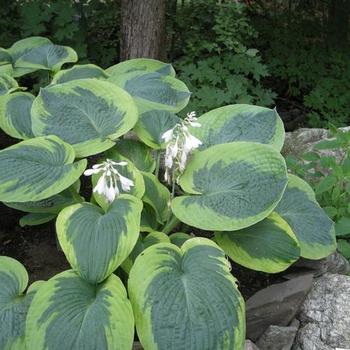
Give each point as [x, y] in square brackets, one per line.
[97, 242]
[7, 84]
[48, 57]
[13, 303]
[51, 205]
[142, 243]
[148, 219]
[157, 196]
[69, 313]
[89, 114]
[231, 186]
[34, 219]
[240, 122]
[145, 65]
[84, 71]
[186, 298]
[179, 238]
[152, 90]
[15, 118]
[37, 168]
[5, 57]
[135, 151]
[153, 124]
[21, 48]
[269, 246]
[6, 69]
[129, 171]
[310, 224]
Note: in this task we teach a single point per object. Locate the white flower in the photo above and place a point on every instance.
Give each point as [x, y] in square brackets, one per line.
[107, 184]
[168, 135]
[179, 144]
[191, 143]
[126, 183]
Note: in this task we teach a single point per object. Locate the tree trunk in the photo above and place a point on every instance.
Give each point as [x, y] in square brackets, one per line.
[142, 29]
[338, 22]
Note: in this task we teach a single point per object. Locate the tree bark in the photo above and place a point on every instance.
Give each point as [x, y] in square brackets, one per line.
[338, 22]
[142, 29]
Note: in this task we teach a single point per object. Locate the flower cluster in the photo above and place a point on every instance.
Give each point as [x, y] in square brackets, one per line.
[179, 144]
[107, 185]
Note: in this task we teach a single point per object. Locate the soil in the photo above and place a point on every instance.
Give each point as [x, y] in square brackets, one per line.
[34, 246]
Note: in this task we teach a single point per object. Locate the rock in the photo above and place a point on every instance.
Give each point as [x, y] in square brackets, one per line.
[334, 263]
[276, 305]
[278, 338]
[303, 140]
[325, 315]
[249, 345]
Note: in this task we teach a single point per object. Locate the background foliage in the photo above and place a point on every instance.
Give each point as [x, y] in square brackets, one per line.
[287, 53]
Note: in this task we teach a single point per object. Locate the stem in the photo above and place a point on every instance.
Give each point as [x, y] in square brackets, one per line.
[158, 162]
[75, 195]
[171, 224]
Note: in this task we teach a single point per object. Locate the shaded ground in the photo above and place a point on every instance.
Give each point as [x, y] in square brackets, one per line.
[35, 247]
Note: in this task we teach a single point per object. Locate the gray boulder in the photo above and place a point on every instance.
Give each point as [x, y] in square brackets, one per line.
[303, 140]
[276, 305]
[334, 263]
[249, 345]
[278, 338]
[325, 315]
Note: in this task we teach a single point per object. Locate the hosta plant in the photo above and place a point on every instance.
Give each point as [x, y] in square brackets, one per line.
[155, 180]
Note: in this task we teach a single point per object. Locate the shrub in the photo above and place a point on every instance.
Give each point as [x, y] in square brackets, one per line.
[223, 173]
[217, 65]
[327, 169]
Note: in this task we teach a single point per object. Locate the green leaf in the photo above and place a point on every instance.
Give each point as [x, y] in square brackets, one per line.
[69, 313]
[96, 242]
[50, 205]
[231, 186]
[36, 169]
[328, 161]
[342, 227]
[48, 57]
[145, 65]
[6, 69]
[148, 219]
[7, 84]
[157, 196]
[327, 144]
[89, 114]
[240, 122]
[179, 238]
[153, 124]
[344, 248]
[269, 246]
[34, 219]
[84, 71]
[311, 156]
[326, 184]
[135, 151]
[21, 48]
[13, 303]
[186, 298]
[310, 224]
[15, 118]
[331, 211]
[5, 57]
[151, 89]
[142, 243]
